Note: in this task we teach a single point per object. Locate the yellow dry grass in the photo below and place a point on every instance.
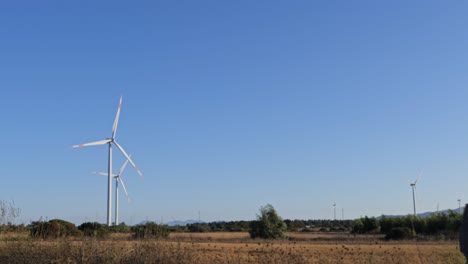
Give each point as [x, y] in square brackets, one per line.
[281, 252]
[229, 248]
[299, 236]
[216, 236]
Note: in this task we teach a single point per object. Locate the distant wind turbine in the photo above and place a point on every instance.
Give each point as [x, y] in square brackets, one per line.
[334, 210]
[413, 187]
[111, 141]
[118, 178]
[459, 206]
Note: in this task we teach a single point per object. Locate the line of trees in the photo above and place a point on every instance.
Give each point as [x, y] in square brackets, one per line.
[58, 228]
[296, 225]
[438, 224]
[268, 225]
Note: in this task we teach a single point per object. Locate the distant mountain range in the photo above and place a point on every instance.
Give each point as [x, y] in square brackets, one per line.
[175, 222]
[191, 221]
[428, 214]
[183, 223]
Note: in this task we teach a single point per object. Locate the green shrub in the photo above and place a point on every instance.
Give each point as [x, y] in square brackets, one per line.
[120, 228]
[197, 228]
[398, 233]
[94, 229]
[55, 228]
[150, 230]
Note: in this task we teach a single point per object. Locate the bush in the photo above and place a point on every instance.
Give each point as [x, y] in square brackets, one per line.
[398, 233]
[120, 228]
[55, 228]
[94, 229]
[294, 225]
[198, 228]
[269, 224]
[150, 230]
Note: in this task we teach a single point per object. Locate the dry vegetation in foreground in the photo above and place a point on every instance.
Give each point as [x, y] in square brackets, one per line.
[226, 248]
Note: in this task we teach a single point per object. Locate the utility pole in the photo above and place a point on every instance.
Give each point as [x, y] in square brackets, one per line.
[459, 206]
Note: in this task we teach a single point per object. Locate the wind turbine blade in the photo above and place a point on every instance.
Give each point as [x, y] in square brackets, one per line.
[128, 158]
[103, 173]
[123, 186]
[406, 181]
[124, 165]
[95, 143]
[116, 121]
[418, 178]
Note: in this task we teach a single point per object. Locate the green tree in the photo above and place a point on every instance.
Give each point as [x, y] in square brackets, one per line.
[365, 225]
[269, 224]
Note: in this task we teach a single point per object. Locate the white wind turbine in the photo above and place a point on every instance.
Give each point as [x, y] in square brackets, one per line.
[459, 205]
[118, 178]
[413, 187]
[111, 141]
[459, 200]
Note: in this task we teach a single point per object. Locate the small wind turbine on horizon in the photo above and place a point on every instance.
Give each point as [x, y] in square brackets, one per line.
[118, 178]
[413, 187]
[111, 141]
[334, 210]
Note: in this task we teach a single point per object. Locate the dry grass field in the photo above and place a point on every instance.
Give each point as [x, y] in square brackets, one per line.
[228, 248]
[296, 236]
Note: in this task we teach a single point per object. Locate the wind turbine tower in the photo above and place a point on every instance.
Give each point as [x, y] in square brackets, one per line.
[459, 206]
[334, 210]
[413, 187]
[118, 178]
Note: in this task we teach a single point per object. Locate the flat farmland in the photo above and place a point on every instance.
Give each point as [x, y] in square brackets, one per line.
[229, 248]
[297, 236]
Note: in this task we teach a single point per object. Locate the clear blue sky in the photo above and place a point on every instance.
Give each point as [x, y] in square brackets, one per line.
[230, 105]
